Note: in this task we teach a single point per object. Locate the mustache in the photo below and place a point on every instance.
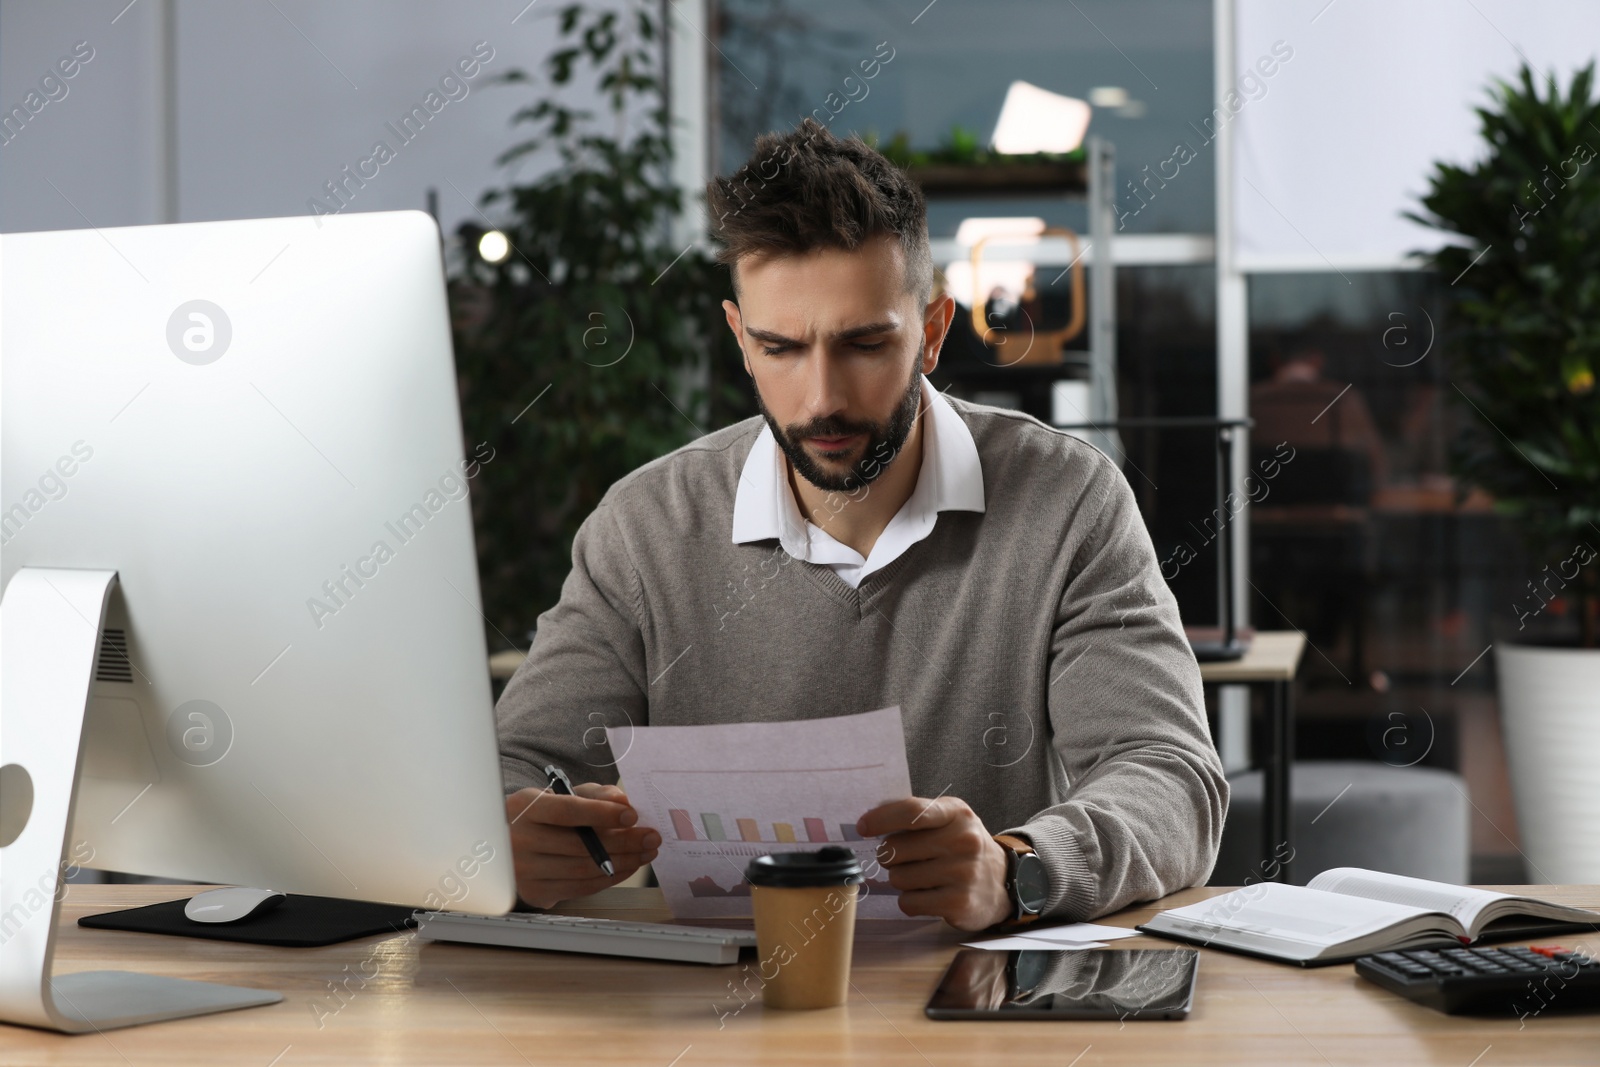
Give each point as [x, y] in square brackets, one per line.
[830, 430]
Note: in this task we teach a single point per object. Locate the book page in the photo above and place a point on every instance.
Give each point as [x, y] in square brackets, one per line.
[1463, 902]
[1293, 913]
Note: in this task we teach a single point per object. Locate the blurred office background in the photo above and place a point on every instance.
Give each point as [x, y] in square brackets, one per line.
[1400, 575]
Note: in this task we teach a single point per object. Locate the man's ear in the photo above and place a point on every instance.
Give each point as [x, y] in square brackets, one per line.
[937, 317]
[736, 324]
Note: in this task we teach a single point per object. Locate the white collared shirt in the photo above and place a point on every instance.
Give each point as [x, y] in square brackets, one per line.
[951, 479]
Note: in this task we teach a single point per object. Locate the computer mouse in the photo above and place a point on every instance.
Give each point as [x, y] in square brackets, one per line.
[231, 905]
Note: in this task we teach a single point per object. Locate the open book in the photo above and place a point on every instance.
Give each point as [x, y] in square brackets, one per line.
[1348, 912]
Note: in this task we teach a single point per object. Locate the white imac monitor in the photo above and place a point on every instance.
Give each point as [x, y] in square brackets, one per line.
[235, 534]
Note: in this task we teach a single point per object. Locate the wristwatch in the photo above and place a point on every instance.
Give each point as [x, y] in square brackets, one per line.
[1027, 883]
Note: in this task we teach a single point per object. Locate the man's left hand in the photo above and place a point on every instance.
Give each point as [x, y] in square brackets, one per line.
[942, 859]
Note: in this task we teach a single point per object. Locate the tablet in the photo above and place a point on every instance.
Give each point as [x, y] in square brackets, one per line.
[1082, 983]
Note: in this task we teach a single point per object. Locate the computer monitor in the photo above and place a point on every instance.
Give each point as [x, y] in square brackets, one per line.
[254, 425]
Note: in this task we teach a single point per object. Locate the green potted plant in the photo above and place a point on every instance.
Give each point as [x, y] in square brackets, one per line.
[597, 344]
[1524, 340]
[961, 164]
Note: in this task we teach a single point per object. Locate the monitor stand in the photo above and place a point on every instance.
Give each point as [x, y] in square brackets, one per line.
[50, 621]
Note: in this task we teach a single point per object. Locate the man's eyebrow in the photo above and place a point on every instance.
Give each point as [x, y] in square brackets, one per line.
[843, 335]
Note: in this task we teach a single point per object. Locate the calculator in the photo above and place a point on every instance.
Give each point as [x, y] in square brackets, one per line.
[1489, 981]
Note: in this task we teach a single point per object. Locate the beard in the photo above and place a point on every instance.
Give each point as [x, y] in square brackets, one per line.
[884, 441]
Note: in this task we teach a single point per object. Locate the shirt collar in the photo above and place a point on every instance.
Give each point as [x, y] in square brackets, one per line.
[764, 505]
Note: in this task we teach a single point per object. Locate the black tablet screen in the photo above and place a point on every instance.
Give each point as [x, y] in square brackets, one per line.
[1066, 984]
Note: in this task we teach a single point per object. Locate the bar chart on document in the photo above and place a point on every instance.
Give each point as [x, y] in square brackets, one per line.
[765, 825]
[720, 795]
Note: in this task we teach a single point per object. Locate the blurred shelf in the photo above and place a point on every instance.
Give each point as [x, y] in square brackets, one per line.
[1127, 250]
[994, 180]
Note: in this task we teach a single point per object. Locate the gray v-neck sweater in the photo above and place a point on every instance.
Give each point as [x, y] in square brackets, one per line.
[1034, 650]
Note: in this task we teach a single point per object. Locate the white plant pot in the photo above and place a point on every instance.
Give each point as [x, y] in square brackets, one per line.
[1550, 715]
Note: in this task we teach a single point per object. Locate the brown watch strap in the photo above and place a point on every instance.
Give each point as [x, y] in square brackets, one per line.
[1014, 843]
[1017, 845]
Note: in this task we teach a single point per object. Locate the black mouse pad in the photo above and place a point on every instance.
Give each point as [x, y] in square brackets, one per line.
[299, 922]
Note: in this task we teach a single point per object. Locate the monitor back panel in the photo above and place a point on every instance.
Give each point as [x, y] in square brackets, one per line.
[255, 424]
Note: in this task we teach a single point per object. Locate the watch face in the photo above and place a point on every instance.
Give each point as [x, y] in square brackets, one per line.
[1033, 886]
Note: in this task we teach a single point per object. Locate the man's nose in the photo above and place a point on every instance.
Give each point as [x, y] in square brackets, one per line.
[826, 387]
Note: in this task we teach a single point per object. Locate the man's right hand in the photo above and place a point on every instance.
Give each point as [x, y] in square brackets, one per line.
[550, 861]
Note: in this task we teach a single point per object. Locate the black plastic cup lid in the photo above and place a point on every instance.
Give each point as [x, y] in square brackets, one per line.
[798, 870]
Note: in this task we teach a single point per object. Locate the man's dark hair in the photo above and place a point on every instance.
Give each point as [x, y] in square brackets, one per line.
[807, 189]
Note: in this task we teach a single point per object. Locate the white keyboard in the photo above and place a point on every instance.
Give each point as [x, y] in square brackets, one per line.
[573, 933]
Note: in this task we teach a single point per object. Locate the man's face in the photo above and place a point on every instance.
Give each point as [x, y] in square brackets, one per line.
[837, 349]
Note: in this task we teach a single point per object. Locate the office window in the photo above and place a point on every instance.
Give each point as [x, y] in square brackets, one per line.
[1399, 576]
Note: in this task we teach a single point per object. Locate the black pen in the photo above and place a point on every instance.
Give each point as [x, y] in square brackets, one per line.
[591, 840]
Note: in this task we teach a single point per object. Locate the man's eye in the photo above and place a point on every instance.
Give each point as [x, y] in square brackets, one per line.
[774, 350]
[873, 347]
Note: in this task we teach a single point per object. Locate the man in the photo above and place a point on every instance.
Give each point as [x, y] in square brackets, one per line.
[865, 542]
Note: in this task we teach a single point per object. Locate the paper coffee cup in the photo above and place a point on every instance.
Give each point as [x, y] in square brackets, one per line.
[805, 910]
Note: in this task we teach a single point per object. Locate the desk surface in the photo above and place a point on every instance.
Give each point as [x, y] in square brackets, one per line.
[1274, 656]
[402, 1001]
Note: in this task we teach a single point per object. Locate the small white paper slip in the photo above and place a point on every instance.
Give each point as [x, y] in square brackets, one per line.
[1078, 932]
[1004, 944]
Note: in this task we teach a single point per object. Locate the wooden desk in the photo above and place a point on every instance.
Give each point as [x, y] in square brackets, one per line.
[1272, 661]
[1274, 656]
[503, 664]
[403, 1001]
